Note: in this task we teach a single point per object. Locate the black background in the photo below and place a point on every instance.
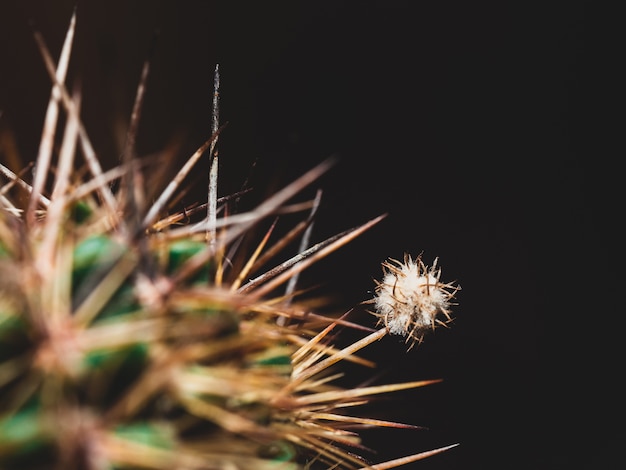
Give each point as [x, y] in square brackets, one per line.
[490, 132]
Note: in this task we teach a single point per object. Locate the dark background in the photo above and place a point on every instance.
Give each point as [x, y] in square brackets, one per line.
[490, 132]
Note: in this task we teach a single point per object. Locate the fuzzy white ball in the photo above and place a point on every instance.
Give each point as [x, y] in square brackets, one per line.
[411, 299]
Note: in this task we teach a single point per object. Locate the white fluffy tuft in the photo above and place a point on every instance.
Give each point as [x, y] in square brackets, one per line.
[411, 299]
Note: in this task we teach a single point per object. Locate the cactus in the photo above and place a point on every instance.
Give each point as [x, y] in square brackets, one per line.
[135, 336]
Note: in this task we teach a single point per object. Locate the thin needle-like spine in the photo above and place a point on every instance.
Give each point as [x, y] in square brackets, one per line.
[86, 146]
[132, 178]
[211, 234]
[304, 244]
[54, 214]
[395, 463]
[50, 122]
[246, 269]
[337, 396]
